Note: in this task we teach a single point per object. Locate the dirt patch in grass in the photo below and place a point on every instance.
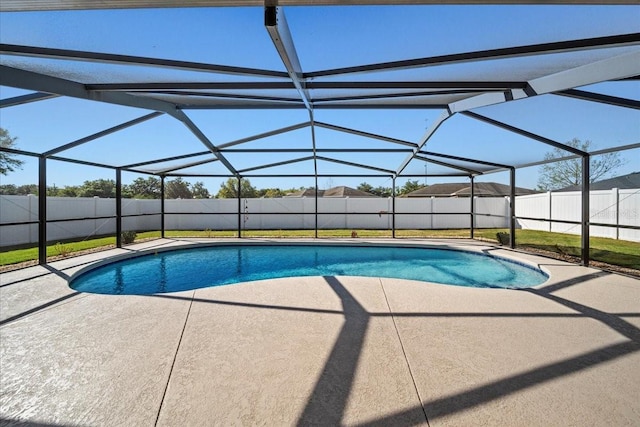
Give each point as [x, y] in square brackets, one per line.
[592, 263]
[33, 262]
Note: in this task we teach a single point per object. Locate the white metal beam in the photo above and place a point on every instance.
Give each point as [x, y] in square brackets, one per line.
[614, 68]
[428, 134]
[29, 80]
[278, 29]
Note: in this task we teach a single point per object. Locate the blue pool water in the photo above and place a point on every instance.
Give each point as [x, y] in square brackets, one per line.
[199, 267]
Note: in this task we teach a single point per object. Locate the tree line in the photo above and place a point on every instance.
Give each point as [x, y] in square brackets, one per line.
[140, 188]
[409, 187]
[147, 188]
[178, 188]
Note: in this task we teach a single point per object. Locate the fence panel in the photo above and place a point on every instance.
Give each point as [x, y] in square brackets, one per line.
[18, 209]
[201, 214]
[451, 212]
[492, 212]
[414, 213]
[606, 207]
[629, 214]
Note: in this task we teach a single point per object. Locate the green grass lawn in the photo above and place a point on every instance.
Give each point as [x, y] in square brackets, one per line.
[617, 252]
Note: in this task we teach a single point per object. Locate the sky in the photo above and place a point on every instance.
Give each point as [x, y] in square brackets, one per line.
[325, 37]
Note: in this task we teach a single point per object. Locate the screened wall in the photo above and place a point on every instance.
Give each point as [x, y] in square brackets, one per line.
[354, 93]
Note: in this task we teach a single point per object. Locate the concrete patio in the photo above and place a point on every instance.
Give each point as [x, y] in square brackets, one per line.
[321, 351]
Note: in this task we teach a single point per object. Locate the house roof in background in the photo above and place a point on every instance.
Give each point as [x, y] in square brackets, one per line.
[341, 191]
[631, 180]
[481, 189]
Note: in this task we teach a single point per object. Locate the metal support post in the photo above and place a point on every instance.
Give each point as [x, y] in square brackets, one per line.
[512, 208]
[393, 207]
[585, 209]
[162, 224]
[239, 207]
[473, 214]
[118, 208]
[316, 206]
[42, 210]
[617, 193]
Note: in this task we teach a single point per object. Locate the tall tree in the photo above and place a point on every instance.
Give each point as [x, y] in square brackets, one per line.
[27, 189]
[229, 189]
[367, 188]
[565, 173]
[104, 188]
[8, 190]
[68, 191]
[382, 191]
[178, 189]
[8, 161]
[410, 186]
[145, 188]
[379, 191]
[270, 193]
[200, 191]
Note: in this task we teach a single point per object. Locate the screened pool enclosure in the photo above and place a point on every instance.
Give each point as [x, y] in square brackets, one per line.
[360, 92]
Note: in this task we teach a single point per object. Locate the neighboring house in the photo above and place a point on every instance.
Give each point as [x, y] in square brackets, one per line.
[341, 191]
[480, 189]
[623, 182]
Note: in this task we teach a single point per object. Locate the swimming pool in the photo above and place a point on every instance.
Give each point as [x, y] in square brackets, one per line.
[205, 266]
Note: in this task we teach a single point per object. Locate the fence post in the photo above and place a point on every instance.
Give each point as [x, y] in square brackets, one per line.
[347, 223]
[118, 208]
[42, 210]
[585, 209]
[472, 212]
[512, 208]
[162, 209]
[315, 209]
[550, 196]
[31, 198]
[431, 202]
[393, 207]
[616, 194]
[239, 207]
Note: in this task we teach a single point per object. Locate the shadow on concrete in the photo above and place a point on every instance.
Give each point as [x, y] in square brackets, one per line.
[50, 269]
[248, 305]
[331, 393]
[7, 422]
[328, 401]
[57, 272]
[23, 279]
[573, 281]
[386, 314]
[38, 308]
[613, 321]
[485, 393]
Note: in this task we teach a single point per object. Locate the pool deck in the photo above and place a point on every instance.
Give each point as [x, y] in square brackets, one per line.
[321, 351]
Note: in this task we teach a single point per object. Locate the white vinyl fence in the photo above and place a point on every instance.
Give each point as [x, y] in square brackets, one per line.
[87, 217]
[616, 207]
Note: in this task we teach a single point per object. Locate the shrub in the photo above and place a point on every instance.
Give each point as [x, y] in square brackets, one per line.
[503, 238]
[128, 237]
[62, 249]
